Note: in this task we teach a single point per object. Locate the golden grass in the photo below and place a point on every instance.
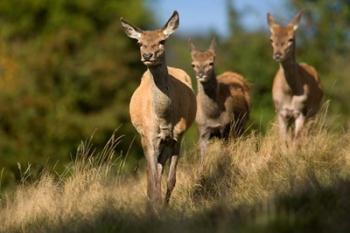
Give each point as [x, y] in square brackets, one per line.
[247, 184]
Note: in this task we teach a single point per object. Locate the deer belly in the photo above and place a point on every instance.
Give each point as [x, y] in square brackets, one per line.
[289, 113]
[219, 132]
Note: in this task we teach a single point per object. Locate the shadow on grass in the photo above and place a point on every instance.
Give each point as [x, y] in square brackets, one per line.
[317, 210]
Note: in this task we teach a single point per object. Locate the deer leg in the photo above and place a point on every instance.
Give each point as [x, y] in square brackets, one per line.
[152, 185]
[149, 151]
[226, 132]
[299, 124]
[165, 153]
[283, 127]
[203, 143]
[172, 172]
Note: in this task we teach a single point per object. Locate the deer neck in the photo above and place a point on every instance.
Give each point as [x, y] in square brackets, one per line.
[160, 91]
[290, 70]
[207, 95]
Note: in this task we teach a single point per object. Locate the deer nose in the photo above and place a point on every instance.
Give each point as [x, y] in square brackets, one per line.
[147, 56]
[277, 56]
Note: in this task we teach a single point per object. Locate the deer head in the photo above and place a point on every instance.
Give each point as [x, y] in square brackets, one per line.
[152, 42]
[283, 37]
[203, 62]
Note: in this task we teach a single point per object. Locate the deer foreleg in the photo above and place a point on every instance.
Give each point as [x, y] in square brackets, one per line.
[283, 127]
[203, 143]
[172, 172]
[299, 124]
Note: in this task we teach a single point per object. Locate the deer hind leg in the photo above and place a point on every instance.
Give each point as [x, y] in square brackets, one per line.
[203, 143]
[299, 124]
[226, 132]
[172, 172]
[165, 152]
[283, 124]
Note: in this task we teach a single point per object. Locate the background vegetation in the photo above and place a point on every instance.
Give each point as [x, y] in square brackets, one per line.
[322, 40]
[67, 72]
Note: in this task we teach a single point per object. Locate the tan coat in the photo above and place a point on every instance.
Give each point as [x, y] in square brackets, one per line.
[223, 101]
[183, 107]
[302, 95]
[296, 90]
[232, 101]
[162, 108]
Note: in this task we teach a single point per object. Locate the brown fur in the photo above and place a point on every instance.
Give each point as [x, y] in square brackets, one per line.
[296, 91]
[162, 108]
[223, 101]
[183, 112]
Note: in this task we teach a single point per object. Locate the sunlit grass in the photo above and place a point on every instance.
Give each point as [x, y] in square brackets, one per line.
[254, 184]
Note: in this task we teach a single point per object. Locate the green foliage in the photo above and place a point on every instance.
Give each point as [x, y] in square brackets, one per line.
[322, 41]
[67, 71]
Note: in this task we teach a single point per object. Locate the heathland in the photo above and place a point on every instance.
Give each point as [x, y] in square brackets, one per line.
[248, 185]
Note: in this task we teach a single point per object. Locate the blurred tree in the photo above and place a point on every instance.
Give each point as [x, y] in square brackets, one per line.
[325, 43]
[233, 18]
[322, 41]
[66, 70]
[249, 53]
[242, 51]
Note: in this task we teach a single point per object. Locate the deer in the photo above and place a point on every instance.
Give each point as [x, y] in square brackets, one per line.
[297, 92]
[162, 107]
[223, 101]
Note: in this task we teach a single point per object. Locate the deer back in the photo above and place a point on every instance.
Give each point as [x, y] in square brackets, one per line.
[234, 93]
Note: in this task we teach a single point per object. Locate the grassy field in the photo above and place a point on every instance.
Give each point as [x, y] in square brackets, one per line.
[254, 184]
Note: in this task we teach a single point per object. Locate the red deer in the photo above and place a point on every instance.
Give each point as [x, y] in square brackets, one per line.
[296, 91]
[223, 101]
[162, 108]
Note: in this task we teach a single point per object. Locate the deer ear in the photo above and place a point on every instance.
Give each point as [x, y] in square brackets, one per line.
[295, 21]
[271, 21]
[212, 45]
[192, 46]
[130, 30]
[172, 24]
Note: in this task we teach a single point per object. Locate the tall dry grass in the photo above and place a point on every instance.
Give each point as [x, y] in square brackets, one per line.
[254, 184]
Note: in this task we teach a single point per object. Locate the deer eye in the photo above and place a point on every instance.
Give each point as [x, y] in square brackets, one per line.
[193, 65]
[211, 63]
[291, 40]
[162, 42]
